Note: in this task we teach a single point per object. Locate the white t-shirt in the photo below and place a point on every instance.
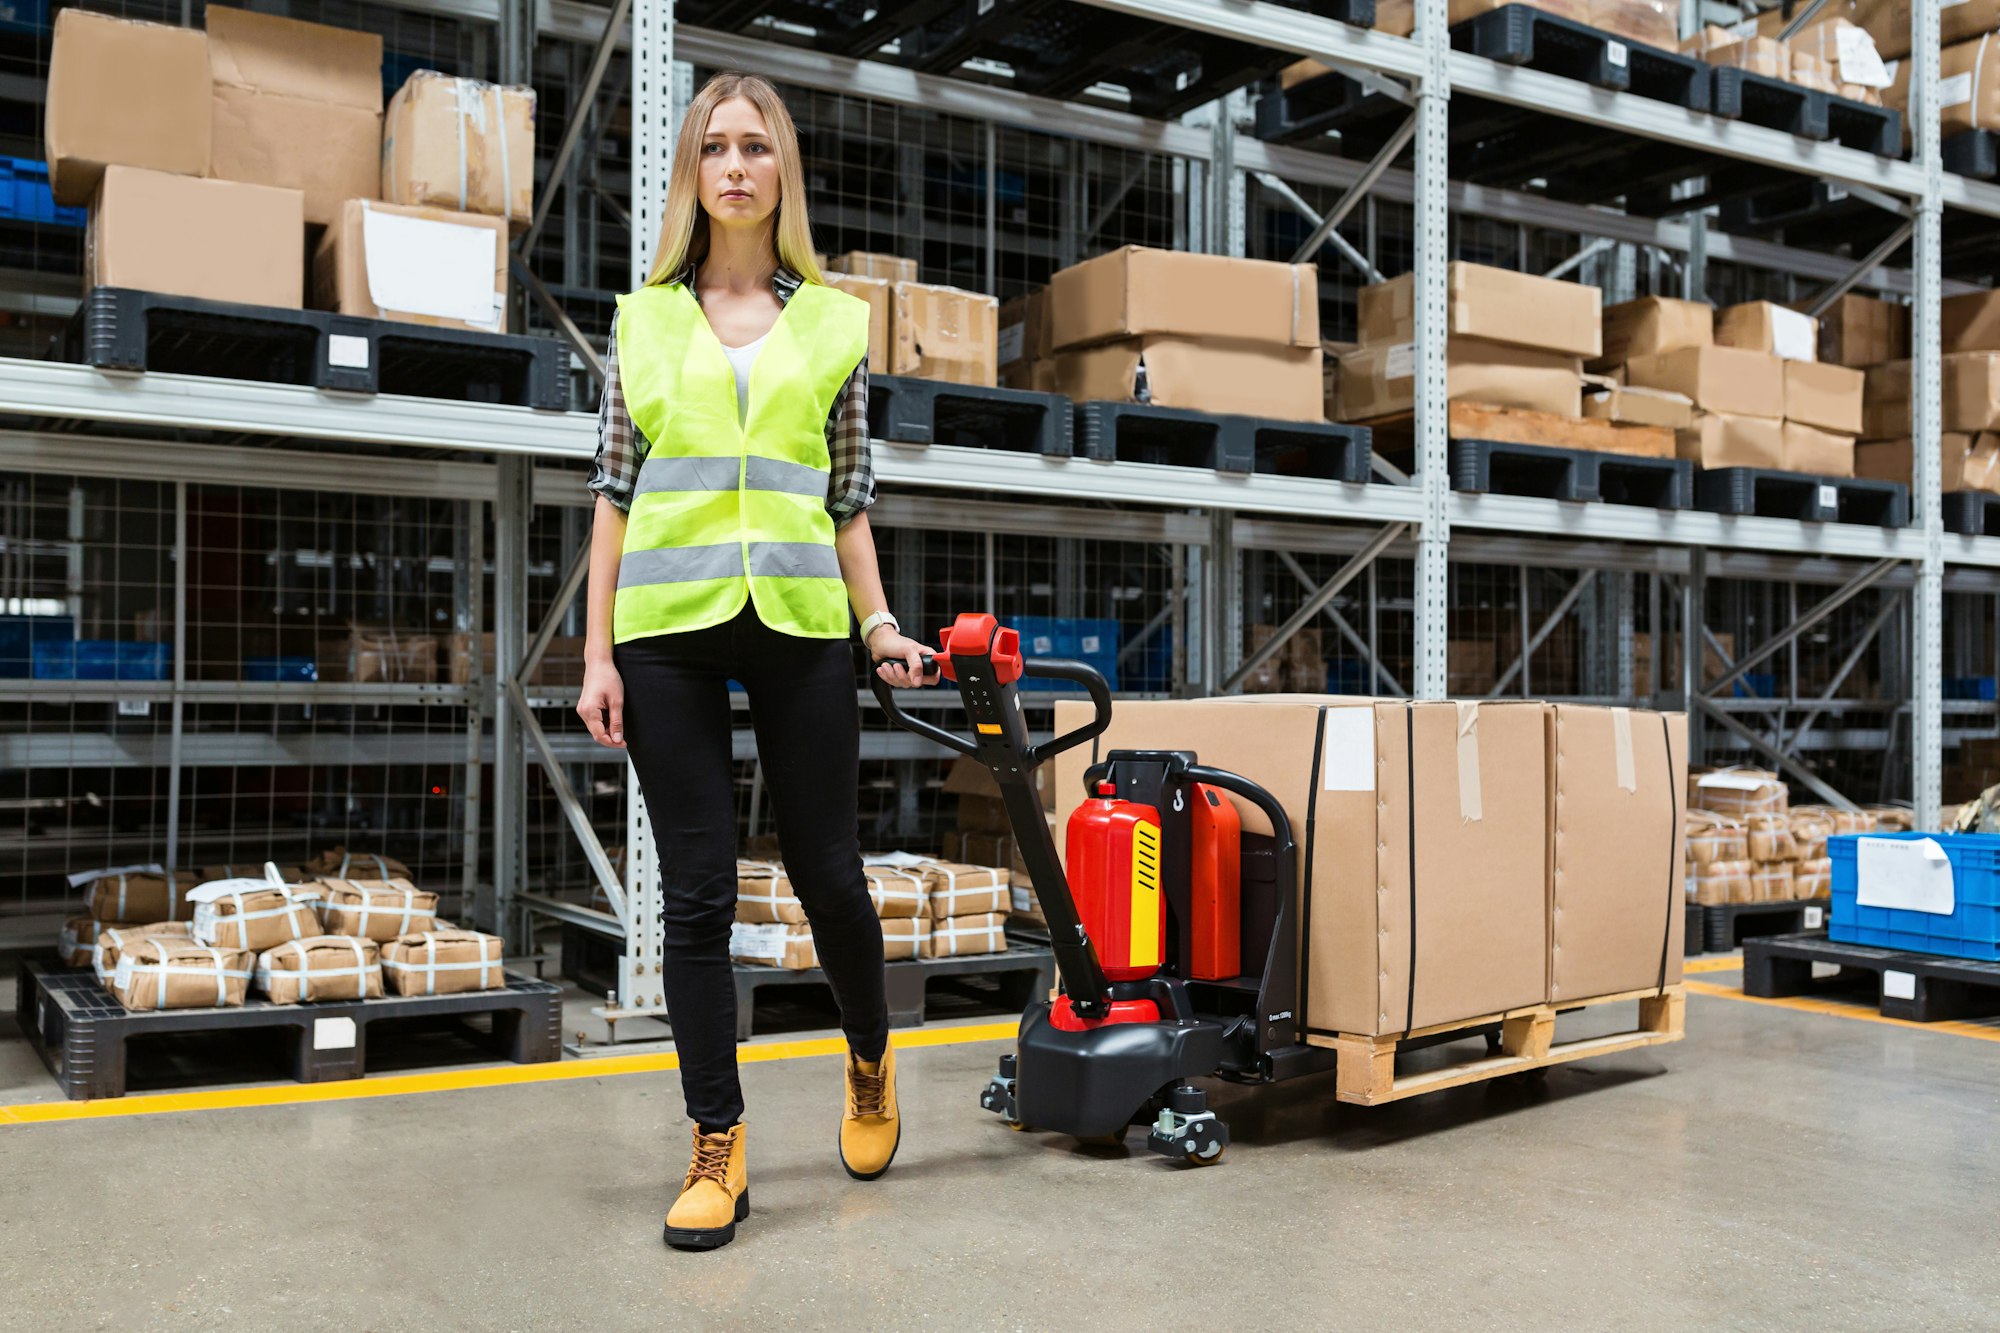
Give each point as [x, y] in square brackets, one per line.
[741, 359]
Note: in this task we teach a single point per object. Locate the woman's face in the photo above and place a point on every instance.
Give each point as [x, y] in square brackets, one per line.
[739, 165]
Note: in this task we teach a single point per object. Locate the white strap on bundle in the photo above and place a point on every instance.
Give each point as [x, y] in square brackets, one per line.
[950, 931]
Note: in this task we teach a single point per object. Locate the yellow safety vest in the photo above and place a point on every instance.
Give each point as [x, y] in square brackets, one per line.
[727, 508]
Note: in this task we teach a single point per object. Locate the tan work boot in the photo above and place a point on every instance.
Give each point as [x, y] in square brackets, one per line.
[870, 1130]
[714, 1197]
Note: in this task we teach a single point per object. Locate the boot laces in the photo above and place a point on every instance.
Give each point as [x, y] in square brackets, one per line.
[711, 1159]
[870, 1090]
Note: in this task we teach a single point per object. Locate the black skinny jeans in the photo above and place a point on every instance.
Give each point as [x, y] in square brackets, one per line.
[677, 725]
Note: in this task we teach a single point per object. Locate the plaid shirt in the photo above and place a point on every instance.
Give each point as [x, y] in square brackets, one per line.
[621, 448]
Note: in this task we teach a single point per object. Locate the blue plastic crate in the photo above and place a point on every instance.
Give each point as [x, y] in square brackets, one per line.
[280, 669]
[1091, 641]
[100, 659]
[1756, 685]
[1972, 687]
[19, 634]
[1970, 930]
[24, 189]
[24, 15]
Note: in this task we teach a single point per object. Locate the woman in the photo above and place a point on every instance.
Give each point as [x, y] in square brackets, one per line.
[731, 540]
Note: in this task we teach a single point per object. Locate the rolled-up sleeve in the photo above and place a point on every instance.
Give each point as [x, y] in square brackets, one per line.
[851, 483]
[620, 446]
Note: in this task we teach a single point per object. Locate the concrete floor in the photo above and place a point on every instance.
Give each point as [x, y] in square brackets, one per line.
[1777, 1169]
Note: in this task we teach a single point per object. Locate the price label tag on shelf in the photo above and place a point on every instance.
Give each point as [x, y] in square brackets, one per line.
[1815, 917]
[1829, 497]
[135, 708]
[347, 351]
[1614, 54]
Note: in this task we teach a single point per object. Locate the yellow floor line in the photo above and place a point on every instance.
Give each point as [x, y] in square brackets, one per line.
[1699, 965]
[453, 1080]
[1807, 1004]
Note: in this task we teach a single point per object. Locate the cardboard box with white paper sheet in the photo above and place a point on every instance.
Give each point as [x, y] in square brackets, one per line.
[427, 266]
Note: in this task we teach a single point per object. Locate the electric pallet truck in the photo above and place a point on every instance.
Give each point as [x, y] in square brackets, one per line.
[1175, 933]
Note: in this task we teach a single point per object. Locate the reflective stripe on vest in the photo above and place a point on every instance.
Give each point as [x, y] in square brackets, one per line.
[725, 508]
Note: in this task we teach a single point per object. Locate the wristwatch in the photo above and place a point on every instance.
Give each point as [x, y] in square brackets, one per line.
[877, 621]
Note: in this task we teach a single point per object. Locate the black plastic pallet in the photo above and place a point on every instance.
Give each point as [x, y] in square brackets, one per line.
[1524, 35]
[1024, 972]
[1772, 103]
[914, 411]
[1500, 467]
[1320, 449]
[1726, 925]
[119, 328]
[1143, 433]
[1975, 513]
[1795, 495]
[1696, 932]
[1918, 987]
[81, 1030]
[1974, 153]
[1864, 128]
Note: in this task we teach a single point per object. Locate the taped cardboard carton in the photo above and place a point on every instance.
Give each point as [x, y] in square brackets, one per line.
[903, 937]
[1771, 837]
[1712, 837]
[1137, 292]
[161, 973]
[1818, 453]
[896, 891]
[764, 894]
[1771, 882]
[863, 264]
[1826, 397]
[1713, 883]
[1653, 324]
[442, 962]
[413, 264]
[943, 333]
[957, 889]
[1969, 462]
[255, 914]
[123, 93]
[343, 864]
[961, 936]
[784, 944]
[1494, 304]
[141, 896]
[380, 910]
[113, 940]
[214, 240]
[880, 295]
[330, 967]
[1738, 791]
[459, 144]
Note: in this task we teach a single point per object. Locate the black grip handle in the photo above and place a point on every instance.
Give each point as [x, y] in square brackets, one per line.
[885, 694]
[1092, 680]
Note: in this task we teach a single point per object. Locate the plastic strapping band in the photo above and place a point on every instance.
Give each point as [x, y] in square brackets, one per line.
[1675, 892]
[1470, 808]
[1410, 773]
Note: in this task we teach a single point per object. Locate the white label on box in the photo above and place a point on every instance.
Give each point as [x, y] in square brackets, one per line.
[1955, 90]
[1092, 643]
[1401, 363]
[1732, 781]
[333, 1034]
[1013, 341]
[1041, 645]
[1614, 54]
[1829, 497]
[1860, 62]
[1347, 762]
[347, 351]
[135, 708]
[747, 940]
[1794, 335]
[1024, 900]
[420, 267]
[1909, 874]
[1815, 917]
[1898, 985]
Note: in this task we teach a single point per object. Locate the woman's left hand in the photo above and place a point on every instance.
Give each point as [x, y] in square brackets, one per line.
[900, 661]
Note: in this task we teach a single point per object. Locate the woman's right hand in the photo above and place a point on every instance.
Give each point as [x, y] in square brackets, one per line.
[602, 706]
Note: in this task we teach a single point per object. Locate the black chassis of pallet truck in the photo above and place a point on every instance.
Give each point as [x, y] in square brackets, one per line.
[1099, 1081]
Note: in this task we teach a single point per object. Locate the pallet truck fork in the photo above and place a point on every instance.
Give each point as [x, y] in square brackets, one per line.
[1176, 943]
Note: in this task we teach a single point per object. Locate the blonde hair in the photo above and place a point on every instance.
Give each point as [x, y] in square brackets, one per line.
[684, 226]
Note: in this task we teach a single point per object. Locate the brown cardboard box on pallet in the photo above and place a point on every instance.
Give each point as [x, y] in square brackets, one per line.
[1638, 406]
[1494, 304]
[1738, 791]
[123, 896]
[125, 93]
[1381, 381]
[414, 265]
[1969, 462]
[960, 936]
[1971, 399]
[880, 295]
[1718, 439]
[1970, 323]
[764, 895]
[942, 333]
[378, 910]
[1828, 397]
[163, 973]
[1481, 904]
[1024, 337]
[897, 891]
[1968, 85]
[1617, 860]
[958, 889]
[296, 105]
[112, 941]
[340, 863]
[1716, 379]
[443, 962]
[1766, 326]
[788, 945]
[254, 914]
[1284, 383]
[1860, 331]
[864, 264]
[1136, 292]
[329, 967]
[1717, 882]
[461, 145]
[1650, 325]
[210, 239]
[1649, 22]
[1817, 452]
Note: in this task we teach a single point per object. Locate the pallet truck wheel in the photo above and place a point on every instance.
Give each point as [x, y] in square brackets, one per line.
[1209, 1159]
[1016, 1126]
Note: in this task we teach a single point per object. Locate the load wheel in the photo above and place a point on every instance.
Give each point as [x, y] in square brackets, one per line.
[1209, 1158]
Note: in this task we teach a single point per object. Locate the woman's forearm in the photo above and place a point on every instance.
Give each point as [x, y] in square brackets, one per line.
[855, 545]
[607, 547]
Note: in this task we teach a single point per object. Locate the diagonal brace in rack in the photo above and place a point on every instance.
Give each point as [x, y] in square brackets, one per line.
[1540, 636]
[1853, 588]
[1345, 575]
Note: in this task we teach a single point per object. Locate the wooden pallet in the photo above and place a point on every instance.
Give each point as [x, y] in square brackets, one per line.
[1367, 1070]
[1514, 425]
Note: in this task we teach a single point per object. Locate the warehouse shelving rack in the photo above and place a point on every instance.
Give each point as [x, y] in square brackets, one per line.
[515, 464]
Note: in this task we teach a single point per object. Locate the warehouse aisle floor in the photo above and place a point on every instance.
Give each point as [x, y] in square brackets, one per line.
[1777, 1169]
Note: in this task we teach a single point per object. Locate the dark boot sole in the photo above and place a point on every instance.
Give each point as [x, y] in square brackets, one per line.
[713, 1238]
[872, 1175]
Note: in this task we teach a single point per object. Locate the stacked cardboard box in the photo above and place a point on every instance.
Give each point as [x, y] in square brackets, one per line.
[442, 962]
[1202, 332]
[921, 329]
[1970, 406]
[414, 265]
[330, 967]
[1513, 340]
[1773, 852]
[341, 864]
[1968, 81]
[1549, 847]
[1027, 361]
[1298, 667]
[1834, 53]
[459, 145]
[968, 907]
[897, 887]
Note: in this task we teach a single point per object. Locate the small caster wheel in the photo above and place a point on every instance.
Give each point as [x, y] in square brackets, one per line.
[1016, 1126]
[1209, 1157]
